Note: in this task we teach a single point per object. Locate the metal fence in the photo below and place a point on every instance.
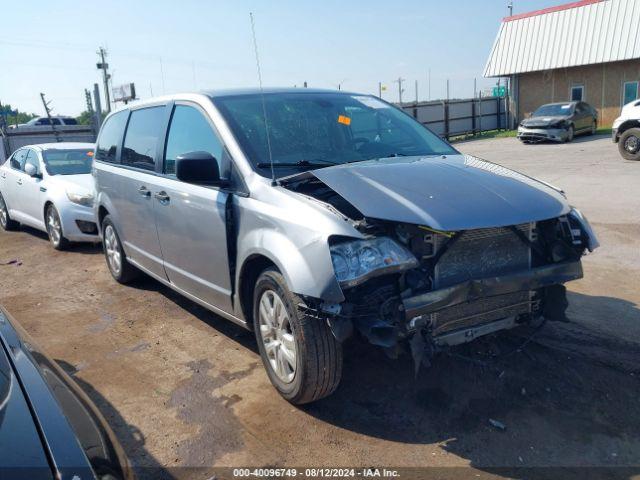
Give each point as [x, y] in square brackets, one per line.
[13, 138]
[449, 118]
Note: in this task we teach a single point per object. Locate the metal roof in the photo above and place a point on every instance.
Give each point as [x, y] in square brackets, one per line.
[578, 33]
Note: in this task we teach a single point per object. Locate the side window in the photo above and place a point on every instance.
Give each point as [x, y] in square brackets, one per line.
[70, 121]
[111, 136]
[141, 138]
[19, 158]
[190, 131]
[32, 158]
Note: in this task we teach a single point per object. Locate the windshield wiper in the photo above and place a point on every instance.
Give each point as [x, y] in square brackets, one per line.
[299, 163]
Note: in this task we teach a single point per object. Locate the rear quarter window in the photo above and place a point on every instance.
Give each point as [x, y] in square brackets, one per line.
[110, 137]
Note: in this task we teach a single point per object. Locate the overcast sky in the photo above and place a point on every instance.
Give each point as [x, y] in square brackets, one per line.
[186, 45]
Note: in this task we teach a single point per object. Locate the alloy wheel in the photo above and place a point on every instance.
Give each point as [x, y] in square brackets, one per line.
[112, 250]
[277, 336]
[632, 144]
[53, 226]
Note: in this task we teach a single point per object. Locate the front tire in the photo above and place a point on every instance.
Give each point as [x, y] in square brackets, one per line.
[629, 144]
[121, 270]
[54, 229]
[5, 220]
[571, 132]
[302, 357]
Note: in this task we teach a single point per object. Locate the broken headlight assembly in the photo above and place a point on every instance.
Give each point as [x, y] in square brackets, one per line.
[358, 260]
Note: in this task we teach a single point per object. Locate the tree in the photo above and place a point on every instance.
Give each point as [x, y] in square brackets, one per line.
[13, 118]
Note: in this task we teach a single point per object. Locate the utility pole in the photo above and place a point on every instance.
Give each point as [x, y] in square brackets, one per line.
[447, 89]
[47, 110]
[510, 7]
[429, 84]
[416, 91]
[98, 109]
[104, 66]
[400, 89]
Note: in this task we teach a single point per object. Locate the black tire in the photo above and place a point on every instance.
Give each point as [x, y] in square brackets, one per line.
[54, 229]
[594, 128]
[629, 144]
[571, 133]
[318, 355]
[5, 220]
[126, 272]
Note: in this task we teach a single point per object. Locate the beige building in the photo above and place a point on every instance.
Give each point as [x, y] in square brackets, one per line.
[587, 50]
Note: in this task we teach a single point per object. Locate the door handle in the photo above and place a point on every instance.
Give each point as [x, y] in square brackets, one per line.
[144, 191]
[4, 175]
[19, 181]
[162, 197]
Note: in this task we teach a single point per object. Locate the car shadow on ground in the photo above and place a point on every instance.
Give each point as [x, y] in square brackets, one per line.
[242, 336]
[502, 406]
[75, 247]
[146, 467]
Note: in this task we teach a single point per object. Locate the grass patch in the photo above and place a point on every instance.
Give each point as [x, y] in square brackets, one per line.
[487, 134]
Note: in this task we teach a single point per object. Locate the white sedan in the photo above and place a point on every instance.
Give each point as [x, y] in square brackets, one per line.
[50, 187]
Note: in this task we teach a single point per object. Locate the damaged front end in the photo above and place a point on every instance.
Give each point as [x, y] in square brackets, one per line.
[412, 285]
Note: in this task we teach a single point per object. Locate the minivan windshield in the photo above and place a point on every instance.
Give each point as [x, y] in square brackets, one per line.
[68, 162]
[553, 110]
[312, 130]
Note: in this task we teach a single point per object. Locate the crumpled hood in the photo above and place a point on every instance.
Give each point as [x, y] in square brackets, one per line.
[542, 121]
[455, 192]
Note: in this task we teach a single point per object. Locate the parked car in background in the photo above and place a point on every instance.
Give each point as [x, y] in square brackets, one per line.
[626, 131]
[49, 428]
[46, 121]
[308, 215]
[50, 187]
[558, 122]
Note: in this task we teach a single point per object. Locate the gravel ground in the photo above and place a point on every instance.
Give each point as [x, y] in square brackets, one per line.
[184, 388]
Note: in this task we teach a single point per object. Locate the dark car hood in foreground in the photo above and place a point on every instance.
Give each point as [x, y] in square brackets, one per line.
[455, 192]
[543, 121]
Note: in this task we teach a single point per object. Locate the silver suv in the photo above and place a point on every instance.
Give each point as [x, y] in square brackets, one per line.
[310, 216]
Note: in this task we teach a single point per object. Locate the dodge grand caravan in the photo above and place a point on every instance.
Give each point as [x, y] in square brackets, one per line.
[309, 216]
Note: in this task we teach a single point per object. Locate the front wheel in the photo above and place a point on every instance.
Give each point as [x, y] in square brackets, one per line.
[302, 357]
[5, 220]
[54, 229]
[571, 132]
[629, 144]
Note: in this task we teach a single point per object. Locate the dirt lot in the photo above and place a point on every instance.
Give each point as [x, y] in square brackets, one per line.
[184, 388]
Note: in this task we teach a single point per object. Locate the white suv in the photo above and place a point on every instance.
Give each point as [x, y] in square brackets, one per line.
[626, 131]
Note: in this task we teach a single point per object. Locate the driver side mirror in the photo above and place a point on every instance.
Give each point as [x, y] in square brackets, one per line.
[200, 168]
[31, 170]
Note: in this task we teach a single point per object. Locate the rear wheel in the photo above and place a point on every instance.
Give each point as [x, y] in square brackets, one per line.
[5, 220]
[54, 229]
[302, 357]
[120, 268]
[629, 144]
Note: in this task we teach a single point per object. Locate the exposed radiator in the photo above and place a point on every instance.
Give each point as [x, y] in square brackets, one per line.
[483, 253]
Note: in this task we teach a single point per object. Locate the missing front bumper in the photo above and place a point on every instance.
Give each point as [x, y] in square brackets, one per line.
[419, 306]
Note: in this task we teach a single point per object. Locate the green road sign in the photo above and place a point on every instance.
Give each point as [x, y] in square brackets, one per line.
[500, 91]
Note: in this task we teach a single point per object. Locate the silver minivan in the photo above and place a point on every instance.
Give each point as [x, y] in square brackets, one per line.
[310, 216]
